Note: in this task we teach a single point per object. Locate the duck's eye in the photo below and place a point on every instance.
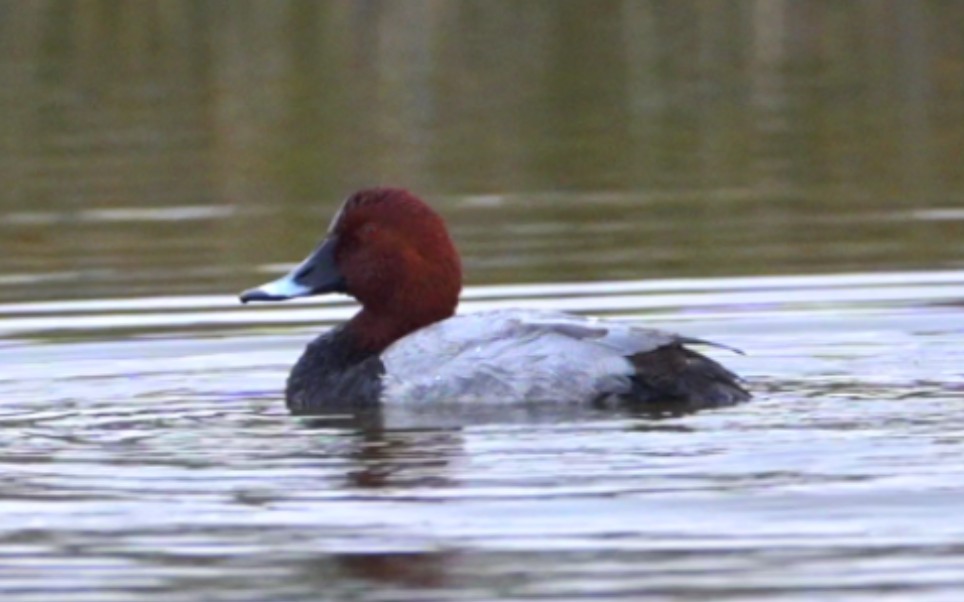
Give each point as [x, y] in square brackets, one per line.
[367, 230]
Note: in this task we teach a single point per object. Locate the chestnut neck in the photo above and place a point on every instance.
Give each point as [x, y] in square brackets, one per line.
[374, 329]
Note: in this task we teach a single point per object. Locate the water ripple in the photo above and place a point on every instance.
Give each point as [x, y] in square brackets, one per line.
[138, 459]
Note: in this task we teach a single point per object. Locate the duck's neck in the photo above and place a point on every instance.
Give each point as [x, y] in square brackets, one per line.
[374, 331]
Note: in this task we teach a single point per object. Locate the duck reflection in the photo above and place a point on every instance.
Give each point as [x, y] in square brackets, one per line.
[410, 458]
[354, 572]
[401, 569]
[380, 457]
[416, 448]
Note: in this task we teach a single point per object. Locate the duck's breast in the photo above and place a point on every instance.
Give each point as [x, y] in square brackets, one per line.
[513, 356]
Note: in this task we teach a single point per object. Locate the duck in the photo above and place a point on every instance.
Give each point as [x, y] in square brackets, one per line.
[390, 251]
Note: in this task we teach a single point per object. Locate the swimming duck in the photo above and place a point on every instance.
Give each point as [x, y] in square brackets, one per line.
[392, 252]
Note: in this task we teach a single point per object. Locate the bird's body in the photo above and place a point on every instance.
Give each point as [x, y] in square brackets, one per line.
[390, 251]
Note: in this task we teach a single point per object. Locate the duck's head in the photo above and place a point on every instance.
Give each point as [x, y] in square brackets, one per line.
[386, 248]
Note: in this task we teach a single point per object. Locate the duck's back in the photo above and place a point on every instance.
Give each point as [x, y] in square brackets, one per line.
[519, 356]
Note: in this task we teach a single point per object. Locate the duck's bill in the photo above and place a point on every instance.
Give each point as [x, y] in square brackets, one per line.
[316, 275]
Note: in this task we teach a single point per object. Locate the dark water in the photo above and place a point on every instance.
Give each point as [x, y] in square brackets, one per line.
[783, 177]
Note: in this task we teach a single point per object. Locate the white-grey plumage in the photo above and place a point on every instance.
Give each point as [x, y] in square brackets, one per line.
[513, 356]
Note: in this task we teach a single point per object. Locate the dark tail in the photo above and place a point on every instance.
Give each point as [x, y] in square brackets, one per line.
[675, 378]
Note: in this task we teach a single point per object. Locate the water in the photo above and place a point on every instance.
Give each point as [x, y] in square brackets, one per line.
[781, 177]
[138, 462]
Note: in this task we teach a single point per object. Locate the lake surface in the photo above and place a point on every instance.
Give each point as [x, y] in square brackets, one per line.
[147, 451]
[781, 177]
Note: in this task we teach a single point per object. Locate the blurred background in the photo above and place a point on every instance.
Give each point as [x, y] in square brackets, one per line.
[190, 146]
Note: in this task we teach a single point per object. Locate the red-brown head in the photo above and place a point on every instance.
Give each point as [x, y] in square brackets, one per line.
[390, 251]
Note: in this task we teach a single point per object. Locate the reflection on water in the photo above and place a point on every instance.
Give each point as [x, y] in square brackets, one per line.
[780, 176]
[706, 298]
